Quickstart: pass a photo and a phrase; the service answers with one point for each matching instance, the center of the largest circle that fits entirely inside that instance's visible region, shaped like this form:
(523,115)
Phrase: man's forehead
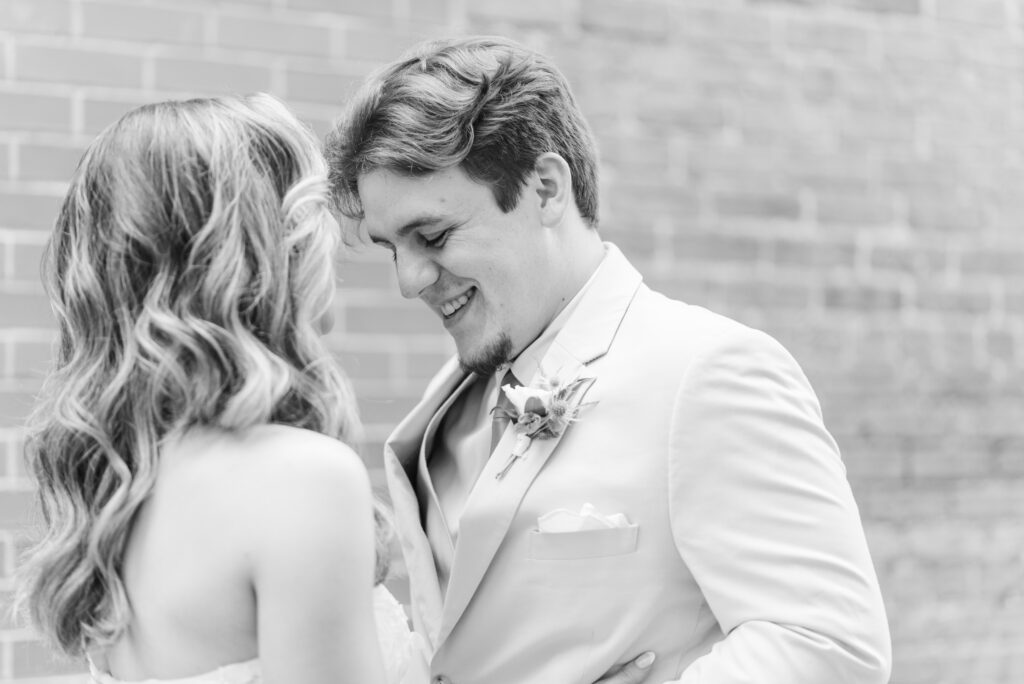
(397,203)
(390,180)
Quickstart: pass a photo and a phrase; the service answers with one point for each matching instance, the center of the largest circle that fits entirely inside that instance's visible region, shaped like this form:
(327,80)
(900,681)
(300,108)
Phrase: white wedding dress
(403,651)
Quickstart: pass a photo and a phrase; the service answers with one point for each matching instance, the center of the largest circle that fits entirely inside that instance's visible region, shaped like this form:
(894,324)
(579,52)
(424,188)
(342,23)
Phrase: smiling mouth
(452,307)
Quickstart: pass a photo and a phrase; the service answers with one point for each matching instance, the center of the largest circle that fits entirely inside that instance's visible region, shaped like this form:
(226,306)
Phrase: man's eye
(437,240)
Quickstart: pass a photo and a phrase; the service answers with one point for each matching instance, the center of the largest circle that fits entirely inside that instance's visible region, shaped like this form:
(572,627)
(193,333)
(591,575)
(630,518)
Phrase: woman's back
(230,513)
(191,607)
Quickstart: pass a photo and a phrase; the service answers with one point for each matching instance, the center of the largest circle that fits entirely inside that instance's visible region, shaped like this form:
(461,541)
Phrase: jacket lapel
(401,458)
(406,438)
(493,503)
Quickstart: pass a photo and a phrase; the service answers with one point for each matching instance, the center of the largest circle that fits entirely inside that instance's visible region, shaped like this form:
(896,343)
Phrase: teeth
(448,308)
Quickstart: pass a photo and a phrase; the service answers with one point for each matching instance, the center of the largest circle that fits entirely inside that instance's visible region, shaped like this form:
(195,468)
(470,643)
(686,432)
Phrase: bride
(205,520)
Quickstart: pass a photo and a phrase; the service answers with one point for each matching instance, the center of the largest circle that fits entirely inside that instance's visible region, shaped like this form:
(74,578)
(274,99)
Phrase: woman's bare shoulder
(292,448)
(270,472)
(261,450)
(283,462)
(303,495)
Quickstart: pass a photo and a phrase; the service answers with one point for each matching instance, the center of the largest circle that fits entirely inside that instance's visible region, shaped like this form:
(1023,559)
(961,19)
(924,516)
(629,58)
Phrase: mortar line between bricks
(7,662)
(9,59)
(8,253)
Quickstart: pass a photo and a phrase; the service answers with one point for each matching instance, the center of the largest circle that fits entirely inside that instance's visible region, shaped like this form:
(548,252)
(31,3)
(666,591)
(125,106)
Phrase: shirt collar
(527,364)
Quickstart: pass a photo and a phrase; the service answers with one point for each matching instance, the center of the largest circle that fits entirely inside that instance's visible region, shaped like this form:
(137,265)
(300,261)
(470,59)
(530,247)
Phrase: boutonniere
(540,412)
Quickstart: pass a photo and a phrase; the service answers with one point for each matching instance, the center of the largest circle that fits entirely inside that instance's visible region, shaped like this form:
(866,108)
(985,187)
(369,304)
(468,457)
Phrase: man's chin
(487,358)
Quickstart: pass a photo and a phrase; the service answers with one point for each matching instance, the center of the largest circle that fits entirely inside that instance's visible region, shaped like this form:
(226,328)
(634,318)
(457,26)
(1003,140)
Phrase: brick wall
(846,174)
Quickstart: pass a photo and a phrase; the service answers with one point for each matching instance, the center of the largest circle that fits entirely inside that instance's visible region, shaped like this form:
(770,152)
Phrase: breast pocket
(612,541)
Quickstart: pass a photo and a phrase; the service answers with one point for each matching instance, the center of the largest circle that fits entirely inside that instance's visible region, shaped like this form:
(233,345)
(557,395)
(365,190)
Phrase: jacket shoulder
(687,330)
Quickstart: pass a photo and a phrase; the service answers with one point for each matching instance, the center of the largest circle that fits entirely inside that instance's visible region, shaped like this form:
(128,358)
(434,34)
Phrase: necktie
(499,421)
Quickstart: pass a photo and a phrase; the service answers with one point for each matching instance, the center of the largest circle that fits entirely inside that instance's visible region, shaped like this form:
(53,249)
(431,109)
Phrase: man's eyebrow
(419,222)
(408,227)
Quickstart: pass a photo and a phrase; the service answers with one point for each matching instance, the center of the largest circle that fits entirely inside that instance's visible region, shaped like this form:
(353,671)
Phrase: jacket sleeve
(763,516)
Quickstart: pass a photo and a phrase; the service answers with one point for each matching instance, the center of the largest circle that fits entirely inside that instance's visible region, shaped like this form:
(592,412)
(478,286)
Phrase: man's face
(485,273)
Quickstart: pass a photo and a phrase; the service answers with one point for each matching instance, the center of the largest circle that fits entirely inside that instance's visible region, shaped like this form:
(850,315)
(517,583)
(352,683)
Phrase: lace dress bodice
(236,673)
(403,651)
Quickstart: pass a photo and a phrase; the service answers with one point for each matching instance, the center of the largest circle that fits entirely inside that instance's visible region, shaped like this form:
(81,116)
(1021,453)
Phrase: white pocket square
(564,520)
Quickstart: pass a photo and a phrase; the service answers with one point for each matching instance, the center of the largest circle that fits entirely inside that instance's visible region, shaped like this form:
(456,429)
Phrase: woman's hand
(633,672)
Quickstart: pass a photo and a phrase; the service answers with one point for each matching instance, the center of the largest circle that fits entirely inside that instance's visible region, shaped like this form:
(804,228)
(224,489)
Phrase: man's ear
(554,187)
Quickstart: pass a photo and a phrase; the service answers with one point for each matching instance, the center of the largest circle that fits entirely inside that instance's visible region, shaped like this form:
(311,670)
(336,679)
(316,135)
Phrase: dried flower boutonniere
(541,412)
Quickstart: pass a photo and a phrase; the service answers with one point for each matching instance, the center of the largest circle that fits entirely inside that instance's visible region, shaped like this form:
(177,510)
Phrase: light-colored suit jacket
(744,560)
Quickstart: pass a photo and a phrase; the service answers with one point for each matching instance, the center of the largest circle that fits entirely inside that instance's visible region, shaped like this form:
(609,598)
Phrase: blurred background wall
(845,174)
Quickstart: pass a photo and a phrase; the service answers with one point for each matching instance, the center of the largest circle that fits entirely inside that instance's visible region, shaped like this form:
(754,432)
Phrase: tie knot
(509,379)
(503,402)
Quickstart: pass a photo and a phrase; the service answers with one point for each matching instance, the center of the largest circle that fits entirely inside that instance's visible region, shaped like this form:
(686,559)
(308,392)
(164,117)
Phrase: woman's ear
(554,187)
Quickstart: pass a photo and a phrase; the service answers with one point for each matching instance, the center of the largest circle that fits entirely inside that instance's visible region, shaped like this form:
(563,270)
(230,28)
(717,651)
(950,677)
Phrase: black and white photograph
(512,341)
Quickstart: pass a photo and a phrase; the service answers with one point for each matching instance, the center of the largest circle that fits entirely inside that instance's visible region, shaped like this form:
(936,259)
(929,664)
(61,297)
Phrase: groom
(669,487)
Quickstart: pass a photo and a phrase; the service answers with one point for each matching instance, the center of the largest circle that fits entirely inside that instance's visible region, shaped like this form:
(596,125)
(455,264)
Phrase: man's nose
(415,273)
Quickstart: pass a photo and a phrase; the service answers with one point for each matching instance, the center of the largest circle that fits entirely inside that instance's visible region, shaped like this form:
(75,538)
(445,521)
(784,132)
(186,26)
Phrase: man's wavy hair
(189,268)
(485,103)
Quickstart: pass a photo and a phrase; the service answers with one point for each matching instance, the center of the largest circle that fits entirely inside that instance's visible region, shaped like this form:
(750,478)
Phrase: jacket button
(441,679)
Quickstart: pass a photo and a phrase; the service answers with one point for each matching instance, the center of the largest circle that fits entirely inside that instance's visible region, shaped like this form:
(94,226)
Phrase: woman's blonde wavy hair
(189,269)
